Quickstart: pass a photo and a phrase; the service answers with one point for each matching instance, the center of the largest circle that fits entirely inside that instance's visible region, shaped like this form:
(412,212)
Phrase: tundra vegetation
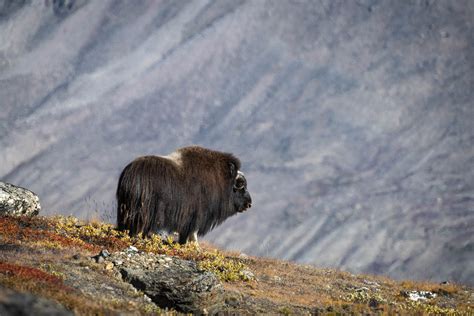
(50,257)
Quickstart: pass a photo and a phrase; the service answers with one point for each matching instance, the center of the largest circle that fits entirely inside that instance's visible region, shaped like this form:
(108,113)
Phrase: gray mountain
(353,119)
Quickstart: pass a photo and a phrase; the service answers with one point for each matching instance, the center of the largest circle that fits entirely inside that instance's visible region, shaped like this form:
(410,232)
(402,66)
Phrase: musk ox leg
(183,239)
(193,237)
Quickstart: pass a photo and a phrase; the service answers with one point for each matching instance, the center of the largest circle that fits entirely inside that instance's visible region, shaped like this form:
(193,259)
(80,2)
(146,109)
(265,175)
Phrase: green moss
(151,309)
(226,269)
(51,269)
(106,236)
(430,309)
(366,297)
(99,234)
(285,311)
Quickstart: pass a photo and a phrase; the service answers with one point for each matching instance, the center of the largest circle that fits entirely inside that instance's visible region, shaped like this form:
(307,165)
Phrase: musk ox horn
(189,191)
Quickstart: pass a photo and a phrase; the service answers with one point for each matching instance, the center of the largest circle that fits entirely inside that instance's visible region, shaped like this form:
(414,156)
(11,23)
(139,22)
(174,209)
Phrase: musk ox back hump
(189,191)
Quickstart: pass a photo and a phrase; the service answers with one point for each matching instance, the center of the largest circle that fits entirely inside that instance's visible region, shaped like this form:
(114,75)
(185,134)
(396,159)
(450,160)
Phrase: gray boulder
(13,303)
(176,283)
(16,201)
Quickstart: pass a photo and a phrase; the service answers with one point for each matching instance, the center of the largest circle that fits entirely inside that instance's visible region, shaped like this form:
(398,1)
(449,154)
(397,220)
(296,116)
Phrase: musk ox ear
(233,170)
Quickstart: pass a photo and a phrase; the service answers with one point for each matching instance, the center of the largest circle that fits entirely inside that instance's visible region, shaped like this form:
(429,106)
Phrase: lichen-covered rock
(172,283)
(13,303)
(16,201)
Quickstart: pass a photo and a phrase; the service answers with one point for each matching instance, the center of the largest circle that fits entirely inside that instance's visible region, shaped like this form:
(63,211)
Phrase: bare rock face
(13,303)
(171,282)
(18,201)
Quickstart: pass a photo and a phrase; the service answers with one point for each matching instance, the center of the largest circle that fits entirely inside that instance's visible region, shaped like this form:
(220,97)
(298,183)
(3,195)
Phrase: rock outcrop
(171,282)
(14,303)
(16,201)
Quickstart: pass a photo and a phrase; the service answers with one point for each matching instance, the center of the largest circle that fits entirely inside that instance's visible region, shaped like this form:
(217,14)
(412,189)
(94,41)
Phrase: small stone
(371,283)
(248,275)
(108,288)
(373,303)
(243,256)
(118,262)
(132,249)
(362,289)
(104,253)
(109,266)
(99,259)
(76,256)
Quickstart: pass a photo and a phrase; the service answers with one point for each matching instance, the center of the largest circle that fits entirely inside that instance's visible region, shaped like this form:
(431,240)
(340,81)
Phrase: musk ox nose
(249,201)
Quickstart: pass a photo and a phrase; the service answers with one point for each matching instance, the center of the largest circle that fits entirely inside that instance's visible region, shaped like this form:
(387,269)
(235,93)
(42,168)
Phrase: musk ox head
(241,197)
(189,191)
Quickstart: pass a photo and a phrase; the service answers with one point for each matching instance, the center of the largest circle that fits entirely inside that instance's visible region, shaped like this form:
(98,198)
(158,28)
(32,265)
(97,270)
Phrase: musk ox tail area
(141,193)
(189,192)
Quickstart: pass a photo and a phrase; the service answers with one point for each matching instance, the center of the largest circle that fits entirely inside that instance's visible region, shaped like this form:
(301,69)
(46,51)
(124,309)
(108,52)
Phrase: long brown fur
(187,191)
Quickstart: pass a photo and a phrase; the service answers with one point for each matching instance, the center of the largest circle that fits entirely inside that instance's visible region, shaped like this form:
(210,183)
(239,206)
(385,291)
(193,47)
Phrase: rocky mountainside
(353,119)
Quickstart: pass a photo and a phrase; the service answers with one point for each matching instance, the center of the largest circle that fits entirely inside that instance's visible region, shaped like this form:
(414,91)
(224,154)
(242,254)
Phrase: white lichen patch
(18,201)
(420,295)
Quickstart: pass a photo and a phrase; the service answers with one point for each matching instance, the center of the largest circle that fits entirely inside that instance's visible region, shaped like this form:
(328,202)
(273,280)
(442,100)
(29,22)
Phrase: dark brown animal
(189,191)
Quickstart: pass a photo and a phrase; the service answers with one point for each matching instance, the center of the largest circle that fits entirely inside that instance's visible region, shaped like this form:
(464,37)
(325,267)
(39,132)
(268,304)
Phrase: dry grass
(26,274)
(36,231)
(38,282)
(37,258)
(333,291)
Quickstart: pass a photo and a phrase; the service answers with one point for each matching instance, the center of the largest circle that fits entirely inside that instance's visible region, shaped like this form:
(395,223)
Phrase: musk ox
(189,192)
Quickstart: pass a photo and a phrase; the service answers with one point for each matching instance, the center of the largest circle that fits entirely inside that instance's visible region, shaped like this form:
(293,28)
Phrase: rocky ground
(60,266)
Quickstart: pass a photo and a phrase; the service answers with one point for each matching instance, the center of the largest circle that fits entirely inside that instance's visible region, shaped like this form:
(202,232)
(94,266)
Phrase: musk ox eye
(240,181)
(239,184)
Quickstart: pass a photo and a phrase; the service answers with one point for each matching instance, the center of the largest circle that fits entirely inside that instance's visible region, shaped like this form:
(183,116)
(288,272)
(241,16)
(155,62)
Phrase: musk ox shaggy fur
(189,192)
